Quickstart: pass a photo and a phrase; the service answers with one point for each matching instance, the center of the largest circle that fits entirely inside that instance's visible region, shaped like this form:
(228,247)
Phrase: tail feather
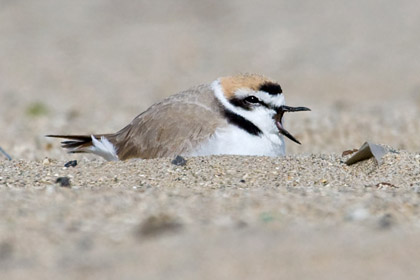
(100,144)
(76,141)
(72,144)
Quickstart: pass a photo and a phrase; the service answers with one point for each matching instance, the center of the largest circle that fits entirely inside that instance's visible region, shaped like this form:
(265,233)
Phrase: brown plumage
(156,133)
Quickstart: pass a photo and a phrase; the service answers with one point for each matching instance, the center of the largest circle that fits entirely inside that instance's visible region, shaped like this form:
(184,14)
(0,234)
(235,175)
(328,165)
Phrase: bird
(234,115)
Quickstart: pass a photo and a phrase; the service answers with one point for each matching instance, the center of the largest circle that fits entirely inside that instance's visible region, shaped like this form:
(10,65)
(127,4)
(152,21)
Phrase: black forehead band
(271,88)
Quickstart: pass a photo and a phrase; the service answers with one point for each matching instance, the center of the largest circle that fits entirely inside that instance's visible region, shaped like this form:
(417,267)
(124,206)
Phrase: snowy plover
(240,115)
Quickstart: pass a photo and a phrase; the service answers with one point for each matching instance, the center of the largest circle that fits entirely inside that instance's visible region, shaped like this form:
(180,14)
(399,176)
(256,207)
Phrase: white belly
(233,140)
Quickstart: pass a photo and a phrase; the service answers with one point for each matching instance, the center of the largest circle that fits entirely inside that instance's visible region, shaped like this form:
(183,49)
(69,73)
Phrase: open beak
(279,117)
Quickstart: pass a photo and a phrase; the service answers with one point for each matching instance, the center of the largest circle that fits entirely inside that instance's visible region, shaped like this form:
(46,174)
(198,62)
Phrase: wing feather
(173,127)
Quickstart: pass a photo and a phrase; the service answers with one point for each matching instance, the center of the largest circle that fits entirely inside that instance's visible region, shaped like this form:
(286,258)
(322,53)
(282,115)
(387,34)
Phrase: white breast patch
(233,140)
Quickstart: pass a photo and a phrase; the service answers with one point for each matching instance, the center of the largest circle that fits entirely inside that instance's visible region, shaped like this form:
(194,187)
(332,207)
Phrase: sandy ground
(91,66)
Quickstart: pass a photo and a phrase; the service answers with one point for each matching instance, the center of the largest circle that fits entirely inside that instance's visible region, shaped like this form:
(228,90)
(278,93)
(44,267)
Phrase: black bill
(279,117)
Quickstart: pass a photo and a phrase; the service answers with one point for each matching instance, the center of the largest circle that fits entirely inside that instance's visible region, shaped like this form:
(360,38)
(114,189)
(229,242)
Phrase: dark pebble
(63,181)
(158,225)
(179,161)
(71,163)
(386,221)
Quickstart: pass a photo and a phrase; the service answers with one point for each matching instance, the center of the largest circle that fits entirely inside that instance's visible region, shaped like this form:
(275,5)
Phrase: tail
(100,145)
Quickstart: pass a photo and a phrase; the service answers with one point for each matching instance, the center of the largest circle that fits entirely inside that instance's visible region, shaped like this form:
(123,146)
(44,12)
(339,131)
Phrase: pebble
(386,221)
(72,163)
(157,225)
(63,181)
(179,161)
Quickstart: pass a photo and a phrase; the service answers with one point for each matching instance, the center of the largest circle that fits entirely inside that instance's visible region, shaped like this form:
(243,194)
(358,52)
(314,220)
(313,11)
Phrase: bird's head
(256,99)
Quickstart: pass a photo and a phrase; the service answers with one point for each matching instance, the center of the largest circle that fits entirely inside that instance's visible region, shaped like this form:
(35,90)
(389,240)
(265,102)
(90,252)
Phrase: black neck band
(243,123)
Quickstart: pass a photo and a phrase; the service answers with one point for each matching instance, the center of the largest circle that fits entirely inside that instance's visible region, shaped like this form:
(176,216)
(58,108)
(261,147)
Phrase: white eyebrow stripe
(276,100)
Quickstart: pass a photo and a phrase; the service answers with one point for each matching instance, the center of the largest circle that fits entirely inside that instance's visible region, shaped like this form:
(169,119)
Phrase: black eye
(252,99)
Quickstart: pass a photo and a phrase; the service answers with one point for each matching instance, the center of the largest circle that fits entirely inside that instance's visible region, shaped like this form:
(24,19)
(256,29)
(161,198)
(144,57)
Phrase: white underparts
(103,148)
(233,140)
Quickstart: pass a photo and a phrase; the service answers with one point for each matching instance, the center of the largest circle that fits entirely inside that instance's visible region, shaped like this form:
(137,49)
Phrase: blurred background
(86,66)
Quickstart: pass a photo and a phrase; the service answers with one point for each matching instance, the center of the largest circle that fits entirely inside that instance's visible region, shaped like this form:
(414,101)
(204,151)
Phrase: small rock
(63,181)
(324,182)
(386,221)
(385,185)
(71,163)
(157,225)
(179,161)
